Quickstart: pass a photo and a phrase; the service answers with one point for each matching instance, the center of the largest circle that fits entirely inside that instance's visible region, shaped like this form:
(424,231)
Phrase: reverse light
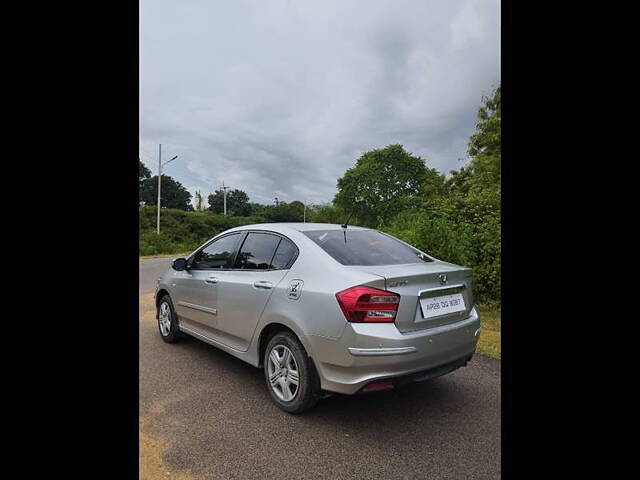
(368,305)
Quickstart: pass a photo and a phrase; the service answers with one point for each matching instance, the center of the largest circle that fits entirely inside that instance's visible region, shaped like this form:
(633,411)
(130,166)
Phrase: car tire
(167,320)
(298,364)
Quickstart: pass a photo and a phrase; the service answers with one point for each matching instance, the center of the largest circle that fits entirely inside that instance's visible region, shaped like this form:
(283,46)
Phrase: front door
(196,289)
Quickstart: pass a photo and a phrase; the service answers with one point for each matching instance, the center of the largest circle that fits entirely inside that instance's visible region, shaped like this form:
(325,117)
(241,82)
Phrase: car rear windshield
(365,247)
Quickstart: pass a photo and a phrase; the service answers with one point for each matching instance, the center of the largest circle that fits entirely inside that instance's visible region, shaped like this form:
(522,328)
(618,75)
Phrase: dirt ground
(152,448)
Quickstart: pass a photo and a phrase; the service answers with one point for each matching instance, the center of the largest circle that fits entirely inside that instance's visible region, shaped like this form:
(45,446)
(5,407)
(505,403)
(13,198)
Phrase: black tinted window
(365,247)
(284,254)
(257,251)
(217,254)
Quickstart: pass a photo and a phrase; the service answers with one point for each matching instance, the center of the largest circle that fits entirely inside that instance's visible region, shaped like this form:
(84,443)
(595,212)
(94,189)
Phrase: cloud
(279,98)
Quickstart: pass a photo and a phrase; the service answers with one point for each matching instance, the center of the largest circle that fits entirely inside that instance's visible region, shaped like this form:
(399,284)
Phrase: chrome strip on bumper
(381,351)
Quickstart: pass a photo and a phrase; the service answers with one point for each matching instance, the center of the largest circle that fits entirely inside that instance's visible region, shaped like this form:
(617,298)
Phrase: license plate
(436,306)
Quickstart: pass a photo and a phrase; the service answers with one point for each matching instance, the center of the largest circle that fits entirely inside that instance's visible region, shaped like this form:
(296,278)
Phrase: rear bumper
(368,352)
(427,374)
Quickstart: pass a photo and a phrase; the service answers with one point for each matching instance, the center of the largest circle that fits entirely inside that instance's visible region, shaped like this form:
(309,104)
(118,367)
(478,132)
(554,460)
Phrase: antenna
(344,225)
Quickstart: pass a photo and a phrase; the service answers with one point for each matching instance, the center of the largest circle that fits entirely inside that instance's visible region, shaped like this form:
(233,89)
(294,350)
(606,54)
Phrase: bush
(153,244)
(474,245)
(182,231)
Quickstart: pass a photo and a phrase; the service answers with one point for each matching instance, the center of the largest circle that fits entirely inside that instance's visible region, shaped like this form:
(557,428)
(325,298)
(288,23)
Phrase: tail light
(367,304)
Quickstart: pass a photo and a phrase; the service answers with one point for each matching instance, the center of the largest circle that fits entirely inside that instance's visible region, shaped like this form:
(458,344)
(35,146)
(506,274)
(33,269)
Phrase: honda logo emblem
(443,278)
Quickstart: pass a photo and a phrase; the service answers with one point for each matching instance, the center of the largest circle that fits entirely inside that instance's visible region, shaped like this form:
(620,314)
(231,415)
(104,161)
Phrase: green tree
(144,174)
(283,212)
(433,187)
(487,139)
(174,195)
(484,169)
(460,221)
(237,202)
(474,197)
(297,210)
(383,183)
(326,213)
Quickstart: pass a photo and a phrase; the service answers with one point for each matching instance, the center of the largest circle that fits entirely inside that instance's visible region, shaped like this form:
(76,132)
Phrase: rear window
(365,247)
(257,251)
(284,254)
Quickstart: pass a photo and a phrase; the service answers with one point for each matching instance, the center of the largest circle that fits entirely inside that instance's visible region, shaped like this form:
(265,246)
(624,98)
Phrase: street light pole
(160,183)
(224,196)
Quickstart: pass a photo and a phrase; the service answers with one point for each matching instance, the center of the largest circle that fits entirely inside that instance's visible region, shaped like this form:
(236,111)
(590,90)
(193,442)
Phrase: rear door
(243,292)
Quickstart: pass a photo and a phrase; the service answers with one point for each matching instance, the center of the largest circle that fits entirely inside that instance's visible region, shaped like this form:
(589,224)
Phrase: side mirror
(179,264)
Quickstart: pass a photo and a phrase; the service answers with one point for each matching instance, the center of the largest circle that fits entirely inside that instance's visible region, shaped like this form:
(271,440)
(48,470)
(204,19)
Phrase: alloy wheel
(164,319)
(283,373)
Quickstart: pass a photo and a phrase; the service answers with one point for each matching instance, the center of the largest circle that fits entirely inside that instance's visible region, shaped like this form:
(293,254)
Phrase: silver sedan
(322,308)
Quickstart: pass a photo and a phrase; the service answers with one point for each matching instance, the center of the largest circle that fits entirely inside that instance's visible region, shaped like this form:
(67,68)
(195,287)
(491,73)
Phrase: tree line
(454,218)
(176,196)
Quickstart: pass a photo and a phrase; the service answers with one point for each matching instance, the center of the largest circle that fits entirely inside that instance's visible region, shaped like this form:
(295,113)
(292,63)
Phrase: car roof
(283,227)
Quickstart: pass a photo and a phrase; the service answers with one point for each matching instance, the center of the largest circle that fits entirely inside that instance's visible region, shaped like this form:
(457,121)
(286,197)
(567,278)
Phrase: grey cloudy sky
(280,97)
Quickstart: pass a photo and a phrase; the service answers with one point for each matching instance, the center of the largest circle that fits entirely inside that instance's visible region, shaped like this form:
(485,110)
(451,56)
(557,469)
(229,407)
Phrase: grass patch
(489,343)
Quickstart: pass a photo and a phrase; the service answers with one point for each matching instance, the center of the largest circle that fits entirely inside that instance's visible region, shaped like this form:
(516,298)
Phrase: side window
(257,251)
(217,254)
(284,254)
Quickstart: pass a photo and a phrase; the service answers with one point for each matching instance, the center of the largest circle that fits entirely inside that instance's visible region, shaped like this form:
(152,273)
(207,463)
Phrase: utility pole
(160,183)
(224,190)
(304,215)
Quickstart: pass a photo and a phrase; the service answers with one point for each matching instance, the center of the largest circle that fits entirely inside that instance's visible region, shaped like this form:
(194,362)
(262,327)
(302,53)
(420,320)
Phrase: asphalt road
(150,270)
(207,415)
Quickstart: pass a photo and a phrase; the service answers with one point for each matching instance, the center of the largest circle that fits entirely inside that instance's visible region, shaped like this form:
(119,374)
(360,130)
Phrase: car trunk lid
(435,286)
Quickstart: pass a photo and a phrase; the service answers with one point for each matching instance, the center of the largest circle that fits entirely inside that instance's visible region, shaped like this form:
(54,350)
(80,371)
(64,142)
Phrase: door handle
(263,284)
(211,280)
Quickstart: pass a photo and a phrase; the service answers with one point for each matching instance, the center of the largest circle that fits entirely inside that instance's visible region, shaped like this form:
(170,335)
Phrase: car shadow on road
(439,396)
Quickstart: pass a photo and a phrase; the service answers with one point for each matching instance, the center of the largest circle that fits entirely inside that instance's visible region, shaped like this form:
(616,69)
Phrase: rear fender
(266,321)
